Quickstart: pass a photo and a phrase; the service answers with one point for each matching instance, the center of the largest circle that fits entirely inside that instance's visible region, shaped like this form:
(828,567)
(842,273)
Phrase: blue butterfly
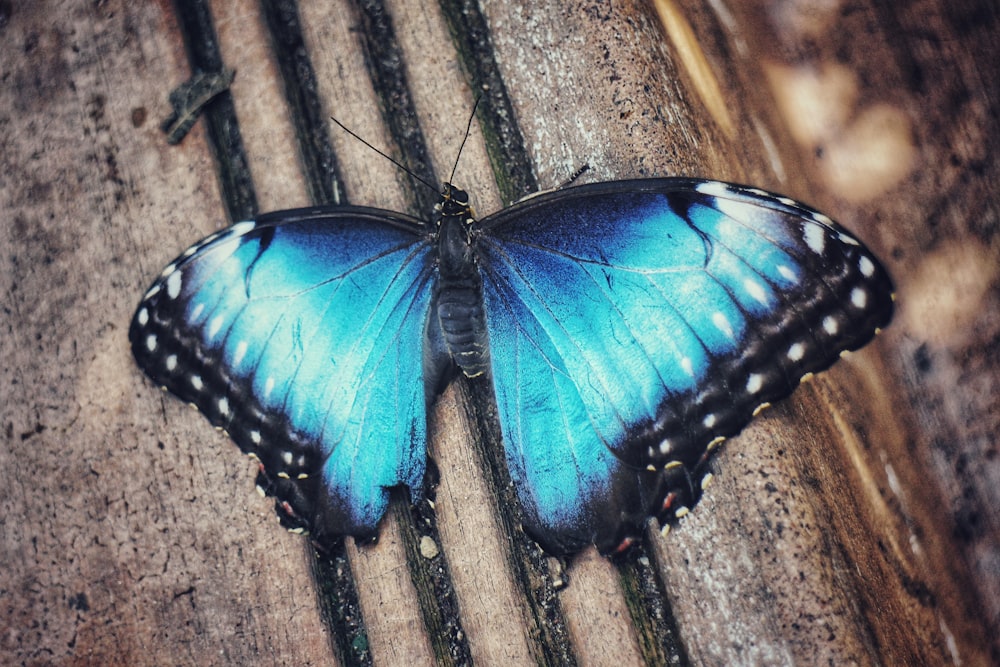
(627,327)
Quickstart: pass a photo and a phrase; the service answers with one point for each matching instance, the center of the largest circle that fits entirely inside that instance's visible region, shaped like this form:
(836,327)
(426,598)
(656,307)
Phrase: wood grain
(857,522)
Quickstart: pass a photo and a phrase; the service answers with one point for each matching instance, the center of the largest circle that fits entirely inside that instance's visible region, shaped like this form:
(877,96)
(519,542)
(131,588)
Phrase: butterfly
(627,328)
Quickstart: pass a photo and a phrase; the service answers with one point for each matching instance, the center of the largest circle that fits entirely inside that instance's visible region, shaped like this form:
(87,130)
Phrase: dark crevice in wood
(432,579)
(219,114)
(649,609)
(339,605)
(512,166)
(387,69)
(311,125)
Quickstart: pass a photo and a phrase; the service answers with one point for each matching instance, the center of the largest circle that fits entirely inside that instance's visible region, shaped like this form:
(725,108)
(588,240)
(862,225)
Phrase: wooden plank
(856,522)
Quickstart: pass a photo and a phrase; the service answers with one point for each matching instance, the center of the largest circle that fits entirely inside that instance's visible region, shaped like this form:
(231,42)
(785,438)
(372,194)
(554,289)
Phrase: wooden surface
(856,523)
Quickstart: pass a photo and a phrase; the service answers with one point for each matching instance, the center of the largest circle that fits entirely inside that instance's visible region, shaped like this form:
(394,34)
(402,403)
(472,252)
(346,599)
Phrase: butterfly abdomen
(459,295)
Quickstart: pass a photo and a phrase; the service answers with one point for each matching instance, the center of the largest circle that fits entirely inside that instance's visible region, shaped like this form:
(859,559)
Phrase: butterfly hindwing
(632,325)
(299,335)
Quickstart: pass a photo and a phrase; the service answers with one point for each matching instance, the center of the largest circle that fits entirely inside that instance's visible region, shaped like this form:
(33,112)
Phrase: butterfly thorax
(459,290)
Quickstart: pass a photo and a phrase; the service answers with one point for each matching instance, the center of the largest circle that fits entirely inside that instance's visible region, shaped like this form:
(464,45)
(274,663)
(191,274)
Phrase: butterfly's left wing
(300,334)
(634,325)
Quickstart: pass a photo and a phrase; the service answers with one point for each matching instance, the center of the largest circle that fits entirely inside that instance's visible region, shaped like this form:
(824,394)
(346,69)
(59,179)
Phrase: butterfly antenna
(468,128)
(387,157)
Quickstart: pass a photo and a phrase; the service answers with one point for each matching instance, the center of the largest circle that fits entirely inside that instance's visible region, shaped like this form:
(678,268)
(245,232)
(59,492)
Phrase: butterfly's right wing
(635,325)
(300,334)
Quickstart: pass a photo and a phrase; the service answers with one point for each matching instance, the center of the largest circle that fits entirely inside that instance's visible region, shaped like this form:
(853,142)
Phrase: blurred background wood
(857,522)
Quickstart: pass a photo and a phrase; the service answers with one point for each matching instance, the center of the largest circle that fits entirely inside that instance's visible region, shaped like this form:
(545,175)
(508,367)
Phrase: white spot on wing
(241,350)
(867,267)
(196,382)
(151,342)
(223,406)
(241,228)
(665,446)
(709,420)
(722,324)
(713,188)
(143,317)
(787,273)
(171,362)
(847,238)
(268,386)
(255,437)
(796,351)
(214,326)
(830,325)
(687,366)
(754,383)
(286,456)
(755,290)
(196,311)
(174,284)
(815,238)
(168,269)
(859,297)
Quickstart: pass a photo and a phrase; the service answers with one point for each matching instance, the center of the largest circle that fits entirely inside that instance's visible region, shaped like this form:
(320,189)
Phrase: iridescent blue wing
(634,325)
(300,335)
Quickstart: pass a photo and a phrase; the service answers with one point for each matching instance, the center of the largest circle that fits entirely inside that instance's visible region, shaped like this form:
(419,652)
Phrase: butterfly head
(454,204)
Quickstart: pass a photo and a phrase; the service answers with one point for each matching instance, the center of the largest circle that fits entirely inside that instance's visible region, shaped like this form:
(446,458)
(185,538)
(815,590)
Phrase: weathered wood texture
(857,523)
